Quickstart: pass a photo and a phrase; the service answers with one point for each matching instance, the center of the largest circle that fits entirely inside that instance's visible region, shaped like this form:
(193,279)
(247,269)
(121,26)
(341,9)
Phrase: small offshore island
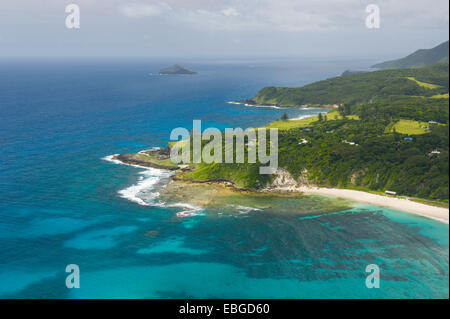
(384,141)
(177,69)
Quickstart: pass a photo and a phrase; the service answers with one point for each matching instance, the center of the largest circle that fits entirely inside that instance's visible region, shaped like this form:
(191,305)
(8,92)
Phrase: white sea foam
(189,209)
(110,158)
(257,105)
(245,209)
(301,117)
(145,191)
(305,116)
(185,205)
(151,149)
(268,106)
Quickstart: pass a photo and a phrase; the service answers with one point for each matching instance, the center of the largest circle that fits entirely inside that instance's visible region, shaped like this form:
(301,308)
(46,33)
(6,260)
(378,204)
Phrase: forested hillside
(360,88)
(390,132)
(420,58)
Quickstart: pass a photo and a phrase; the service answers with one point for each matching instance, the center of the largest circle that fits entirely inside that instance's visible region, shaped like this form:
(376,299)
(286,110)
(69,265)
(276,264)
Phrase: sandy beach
(285,183)
(437,213)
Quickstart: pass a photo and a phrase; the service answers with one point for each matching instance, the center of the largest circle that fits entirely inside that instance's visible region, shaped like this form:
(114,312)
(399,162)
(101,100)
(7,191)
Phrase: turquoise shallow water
(60,202)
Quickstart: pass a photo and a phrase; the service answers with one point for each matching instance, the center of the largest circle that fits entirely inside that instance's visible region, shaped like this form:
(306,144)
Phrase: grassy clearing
(423,84)
(334,115)
(408,127)
(153,159)
(440,96)
(290,124)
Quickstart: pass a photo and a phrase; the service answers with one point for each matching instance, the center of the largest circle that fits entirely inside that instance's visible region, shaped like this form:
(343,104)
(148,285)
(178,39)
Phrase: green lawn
(440,96)
(408,127)
(423,84)
(289,124)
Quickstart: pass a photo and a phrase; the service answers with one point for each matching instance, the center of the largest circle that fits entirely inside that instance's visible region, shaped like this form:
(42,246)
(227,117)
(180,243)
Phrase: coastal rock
(284,182)
(283,179)
(177,69)
(130,159)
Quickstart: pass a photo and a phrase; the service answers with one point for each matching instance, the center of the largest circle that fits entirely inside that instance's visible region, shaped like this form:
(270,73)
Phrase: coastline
(440,214)
(279,106)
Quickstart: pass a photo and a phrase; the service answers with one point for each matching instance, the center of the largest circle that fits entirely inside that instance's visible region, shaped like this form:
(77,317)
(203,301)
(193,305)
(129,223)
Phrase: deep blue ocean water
(60,202)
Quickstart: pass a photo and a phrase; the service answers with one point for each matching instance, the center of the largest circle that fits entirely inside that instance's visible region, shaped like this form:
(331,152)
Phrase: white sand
(402,204)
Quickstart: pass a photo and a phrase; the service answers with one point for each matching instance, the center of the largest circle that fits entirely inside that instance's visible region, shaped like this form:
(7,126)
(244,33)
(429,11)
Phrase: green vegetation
(378,139)
(354,154)
(244,176)
(389,130)
(418,108)
(376,161)
(420,58)
(151,158)
(440,96)
(423,84)
(177,69)
(308,121)
(407,127)
(365,88)
(286,125)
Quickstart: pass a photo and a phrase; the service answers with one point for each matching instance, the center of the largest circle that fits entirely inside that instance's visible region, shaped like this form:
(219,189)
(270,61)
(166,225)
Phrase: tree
(320,117)
(363,113)
(284,117)
(341,110)
(347,108)
(397,136)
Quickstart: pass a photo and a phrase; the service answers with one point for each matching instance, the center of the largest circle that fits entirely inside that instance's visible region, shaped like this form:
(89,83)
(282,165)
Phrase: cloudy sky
(158,28)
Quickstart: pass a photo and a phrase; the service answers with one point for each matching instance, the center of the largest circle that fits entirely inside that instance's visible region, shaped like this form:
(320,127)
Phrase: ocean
(62,202)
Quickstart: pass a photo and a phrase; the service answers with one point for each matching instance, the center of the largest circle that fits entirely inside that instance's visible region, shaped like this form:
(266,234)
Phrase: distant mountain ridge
(420,58)
(358,88)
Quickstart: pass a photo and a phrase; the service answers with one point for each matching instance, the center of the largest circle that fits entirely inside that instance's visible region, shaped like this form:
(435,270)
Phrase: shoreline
(253,103)
(439,214)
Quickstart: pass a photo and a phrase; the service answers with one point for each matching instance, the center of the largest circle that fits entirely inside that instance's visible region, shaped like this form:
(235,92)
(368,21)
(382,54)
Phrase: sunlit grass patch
(423,84)
(408,127)
(290,124)
(334,115)
(440,96)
